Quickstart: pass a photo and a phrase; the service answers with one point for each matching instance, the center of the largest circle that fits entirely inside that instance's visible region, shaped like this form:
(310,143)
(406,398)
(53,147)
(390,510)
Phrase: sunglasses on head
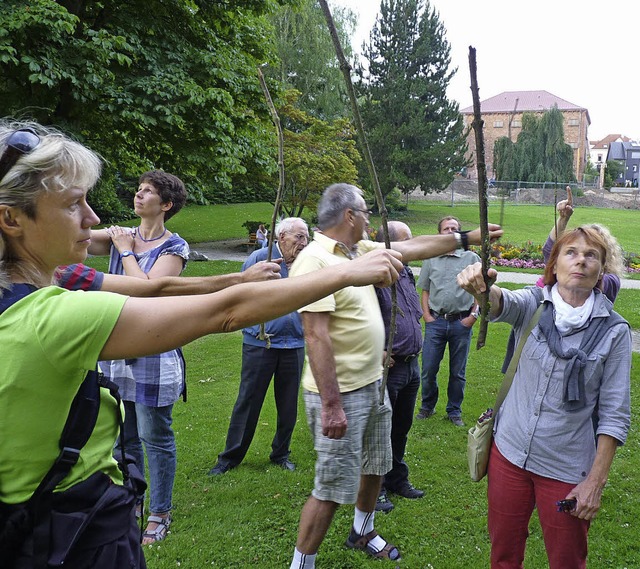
(19,143)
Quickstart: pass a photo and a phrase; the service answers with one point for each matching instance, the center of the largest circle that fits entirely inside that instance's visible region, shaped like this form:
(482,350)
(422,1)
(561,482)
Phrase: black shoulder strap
(78,428)
(14,294)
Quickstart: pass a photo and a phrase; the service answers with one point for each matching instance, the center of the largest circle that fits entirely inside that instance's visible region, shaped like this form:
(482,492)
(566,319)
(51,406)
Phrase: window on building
(516,123)
(599,157)
(573,122)
(498,124)
(573,145)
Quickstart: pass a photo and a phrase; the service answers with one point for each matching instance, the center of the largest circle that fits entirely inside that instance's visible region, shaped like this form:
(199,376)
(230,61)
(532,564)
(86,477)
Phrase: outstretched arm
(427,246)
(82,277)
(153,325)
(176,286)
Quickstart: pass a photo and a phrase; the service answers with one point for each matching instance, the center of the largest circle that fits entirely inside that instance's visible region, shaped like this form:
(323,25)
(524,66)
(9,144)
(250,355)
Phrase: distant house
(628,154)
(600,148)
(502,116)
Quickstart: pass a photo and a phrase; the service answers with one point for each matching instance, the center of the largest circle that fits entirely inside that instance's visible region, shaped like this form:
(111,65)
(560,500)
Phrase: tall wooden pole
(485,253)
(346,72)
(276,207)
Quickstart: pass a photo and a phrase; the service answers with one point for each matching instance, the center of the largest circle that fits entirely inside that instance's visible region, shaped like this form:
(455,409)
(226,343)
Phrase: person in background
(279,356)
(403,378)
(449,315)
(53,337)
(262,236)
(610,282)
(349,418)
(545,453)
(150,386)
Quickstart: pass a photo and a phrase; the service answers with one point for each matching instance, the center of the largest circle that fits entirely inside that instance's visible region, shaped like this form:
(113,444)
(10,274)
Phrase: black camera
(567,505)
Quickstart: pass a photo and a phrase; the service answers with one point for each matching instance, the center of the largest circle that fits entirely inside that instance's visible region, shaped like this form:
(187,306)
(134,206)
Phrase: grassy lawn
(249,516)
(521,223)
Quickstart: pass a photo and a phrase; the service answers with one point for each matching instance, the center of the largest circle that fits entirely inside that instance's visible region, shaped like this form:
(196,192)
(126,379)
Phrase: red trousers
(512,495)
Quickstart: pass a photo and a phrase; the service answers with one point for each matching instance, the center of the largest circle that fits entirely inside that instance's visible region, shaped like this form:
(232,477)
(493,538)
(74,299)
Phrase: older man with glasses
(349,418)
(279,354)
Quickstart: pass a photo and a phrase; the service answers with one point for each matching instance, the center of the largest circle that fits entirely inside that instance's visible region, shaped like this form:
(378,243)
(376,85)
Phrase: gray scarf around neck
(573,388)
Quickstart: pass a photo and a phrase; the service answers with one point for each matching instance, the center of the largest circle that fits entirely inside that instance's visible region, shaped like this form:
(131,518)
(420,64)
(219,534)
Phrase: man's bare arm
(427,246)
(323,366)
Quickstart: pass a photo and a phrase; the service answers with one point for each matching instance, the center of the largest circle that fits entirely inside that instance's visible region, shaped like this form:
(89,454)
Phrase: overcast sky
(585,55)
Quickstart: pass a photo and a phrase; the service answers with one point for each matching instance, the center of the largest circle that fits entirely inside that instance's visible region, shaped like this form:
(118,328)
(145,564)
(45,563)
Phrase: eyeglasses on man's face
(300,236)
(367,212)
(19,143)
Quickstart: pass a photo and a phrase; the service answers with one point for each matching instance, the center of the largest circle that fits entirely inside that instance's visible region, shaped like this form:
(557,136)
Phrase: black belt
(451,316)
(406,359)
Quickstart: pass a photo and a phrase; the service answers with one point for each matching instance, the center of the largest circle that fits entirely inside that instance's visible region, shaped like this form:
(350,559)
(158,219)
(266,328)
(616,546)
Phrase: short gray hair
(285,225)
(335,199)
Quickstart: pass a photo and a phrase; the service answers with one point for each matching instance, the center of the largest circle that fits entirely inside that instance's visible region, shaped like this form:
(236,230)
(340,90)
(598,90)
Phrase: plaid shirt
(158,380)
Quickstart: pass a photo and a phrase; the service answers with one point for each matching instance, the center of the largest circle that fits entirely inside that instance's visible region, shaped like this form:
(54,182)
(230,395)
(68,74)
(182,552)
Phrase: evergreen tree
(415,133)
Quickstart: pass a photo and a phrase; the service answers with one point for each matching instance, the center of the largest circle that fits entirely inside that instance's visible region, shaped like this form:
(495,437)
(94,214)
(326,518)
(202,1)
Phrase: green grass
(249,516)
(521,223)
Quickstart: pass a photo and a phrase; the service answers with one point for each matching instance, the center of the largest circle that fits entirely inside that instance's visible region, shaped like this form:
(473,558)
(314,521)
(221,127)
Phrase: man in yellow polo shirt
(344,336)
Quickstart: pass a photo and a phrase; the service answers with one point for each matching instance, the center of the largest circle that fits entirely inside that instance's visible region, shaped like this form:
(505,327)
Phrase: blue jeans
(259,365)
(152,426)
(403,383)
(436,336)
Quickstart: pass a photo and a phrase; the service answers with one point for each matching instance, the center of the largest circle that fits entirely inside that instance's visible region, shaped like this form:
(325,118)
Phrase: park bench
(251,244)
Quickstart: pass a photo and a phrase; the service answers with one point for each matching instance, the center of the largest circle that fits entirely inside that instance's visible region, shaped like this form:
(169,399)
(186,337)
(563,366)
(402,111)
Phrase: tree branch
(485,253)
(346,72)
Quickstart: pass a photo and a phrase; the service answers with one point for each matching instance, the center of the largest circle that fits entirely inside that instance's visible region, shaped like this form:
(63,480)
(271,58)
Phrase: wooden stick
(485,253)
(276,208)
(346,72)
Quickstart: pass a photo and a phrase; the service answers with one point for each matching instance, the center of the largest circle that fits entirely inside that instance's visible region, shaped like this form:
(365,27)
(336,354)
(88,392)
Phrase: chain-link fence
(463,191)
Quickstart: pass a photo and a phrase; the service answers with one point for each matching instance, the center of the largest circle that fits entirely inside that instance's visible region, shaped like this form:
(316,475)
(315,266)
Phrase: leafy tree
(147,83)
(317,153)
(307,59)
(415,133)
(613,174)
(540,153)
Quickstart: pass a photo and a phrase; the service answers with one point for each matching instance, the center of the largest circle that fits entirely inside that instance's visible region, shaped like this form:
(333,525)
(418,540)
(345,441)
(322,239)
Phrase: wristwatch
(126,254)
(475,314)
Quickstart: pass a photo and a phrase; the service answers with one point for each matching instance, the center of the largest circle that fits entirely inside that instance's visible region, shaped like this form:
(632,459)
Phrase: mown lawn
(249,516)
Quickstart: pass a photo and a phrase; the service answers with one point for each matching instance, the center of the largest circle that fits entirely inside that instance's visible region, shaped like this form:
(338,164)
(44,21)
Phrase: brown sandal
(362,542)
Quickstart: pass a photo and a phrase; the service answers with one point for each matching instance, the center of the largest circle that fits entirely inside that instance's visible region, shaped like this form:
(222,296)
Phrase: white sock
(363,521)
(303,560)
(363,524)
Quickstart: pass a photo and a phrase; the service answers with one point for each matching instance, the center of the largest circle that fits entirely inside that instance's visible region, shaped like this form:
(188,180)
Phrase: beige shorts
(364,449)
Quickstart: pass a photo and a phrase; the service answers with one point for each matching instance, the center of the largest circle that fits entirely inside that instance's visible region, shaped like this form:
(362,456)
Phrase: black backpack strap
(77,430)
(14,294)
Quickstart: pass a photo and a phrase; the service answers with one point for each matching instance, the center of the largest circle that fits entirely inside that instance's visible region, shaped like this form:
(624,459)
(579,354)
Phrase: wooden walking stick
(276,208)
(346,72)
(485,253)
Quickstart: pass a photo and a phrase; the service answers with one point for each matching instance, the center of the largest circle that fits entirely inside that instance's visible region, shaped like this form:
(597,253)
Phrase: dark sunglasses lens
(24,141)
